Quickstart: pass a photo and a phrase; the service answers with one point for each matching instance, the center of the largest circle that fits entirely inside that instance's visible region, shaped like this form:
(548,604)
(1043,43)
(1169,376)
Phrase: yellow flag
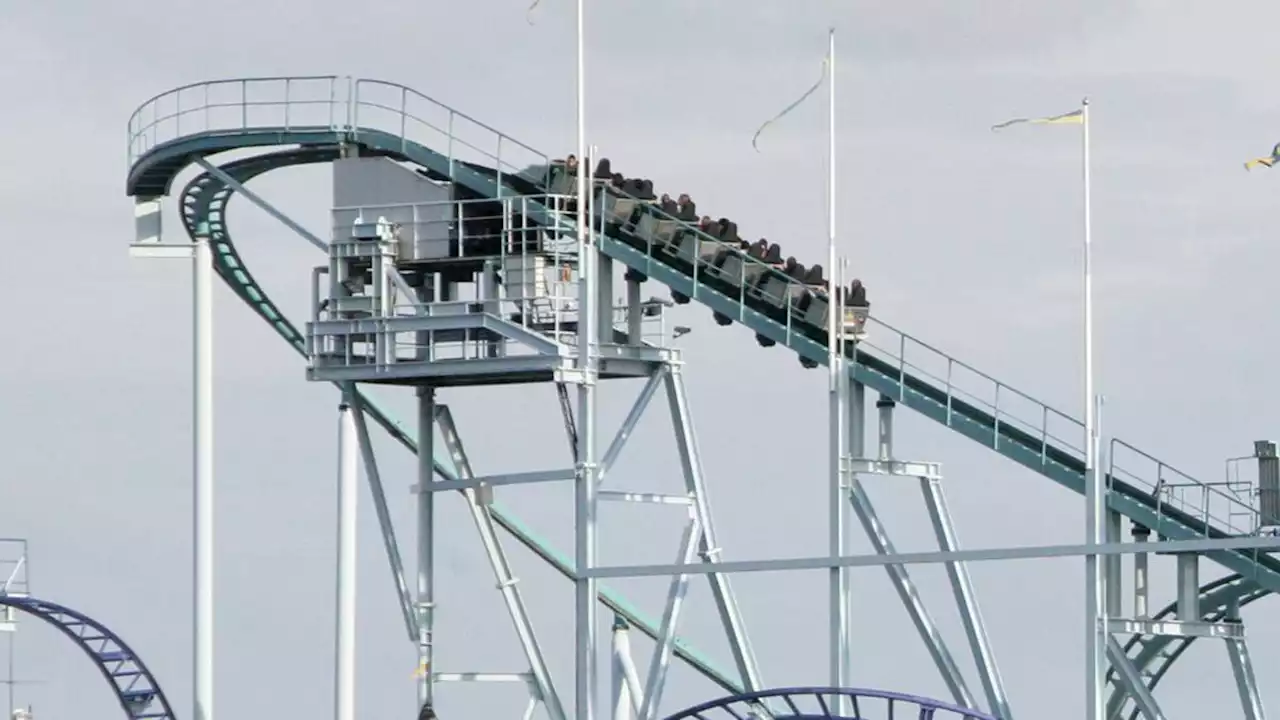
(1075,117)
(1267,161)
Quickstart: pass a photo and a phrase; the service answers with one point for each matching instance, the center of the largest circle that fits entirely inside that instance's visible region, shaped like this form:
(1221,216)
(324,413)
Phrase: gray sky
(966,239)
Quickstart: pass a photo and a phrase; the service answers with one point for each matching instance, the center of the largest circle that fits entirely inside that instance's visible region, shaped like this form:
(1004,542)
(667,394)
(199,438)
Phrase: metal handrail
(344,101)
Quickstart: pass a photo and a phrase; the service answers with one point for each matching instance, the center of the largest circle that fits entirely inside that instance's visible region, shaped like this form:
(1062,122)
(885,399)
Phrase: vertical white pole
(837,503)
(623,702)
(202,461)
(1095,642)
(585,486)
(348,496)
(831,204)
(426,546)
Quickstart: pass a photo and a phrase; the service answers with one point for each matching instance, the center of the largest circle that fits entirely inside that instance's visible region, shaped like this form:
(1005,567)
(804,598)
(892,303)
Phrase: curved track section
(135,687)
(156,162)
(1155,655)
(815,703)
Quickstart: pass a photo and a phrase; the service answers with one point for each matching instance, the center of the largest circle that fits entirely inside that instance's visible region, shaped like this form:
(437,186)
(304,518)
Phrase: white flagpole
(831,203)
(1095,498)
(831,194)
(839,442)
(585,484)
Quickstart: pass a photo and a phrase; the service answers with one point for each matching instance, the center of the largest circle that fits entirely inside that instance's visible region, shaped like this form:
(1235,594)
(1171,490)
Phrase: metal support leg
(604,297)
(1246,682)
(348,494)
(634,318)
(202,461)
(1141,578)
(1132,680)
(661,661)
(389,542)
(626,684)
(1189,587)
(691,462)
(629,423)
(1242,670)
(966,600)
(911,600)
(585,485)
(839,644)
(542,683)
(1114,566)
(426,549)
(898,574)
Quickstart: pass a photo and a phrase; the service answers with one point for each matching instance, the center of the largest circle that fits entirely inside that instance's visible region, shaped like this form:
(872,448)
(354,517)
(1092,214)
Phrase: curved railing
(325,101)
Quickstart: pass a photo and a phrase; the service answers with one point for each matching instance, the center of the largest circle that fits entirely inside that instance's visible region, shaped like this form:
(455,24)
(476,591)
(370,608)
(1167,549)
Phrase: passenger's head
(665,198)
(683,199)
(571,162)
(855,285)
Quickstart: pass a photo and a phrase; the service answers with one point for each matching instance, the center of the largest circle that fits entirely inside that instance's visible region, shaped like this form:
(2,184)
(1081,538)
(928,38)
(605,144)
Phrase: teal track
(155,167)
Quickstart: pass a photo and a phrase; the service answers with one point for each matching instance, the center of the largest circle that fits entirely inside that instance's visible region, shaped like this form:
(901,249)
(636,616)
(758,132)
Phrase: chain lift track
(135,687)
(166,137)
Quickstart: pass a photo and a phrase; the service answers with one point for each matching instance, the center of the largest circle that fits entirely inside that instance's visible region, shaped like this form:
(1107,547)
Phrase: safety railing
(439,230)
(13,567)
(1209,504)
(308,102)
(1008,407)
(416,118)
(239,105)
(288,103)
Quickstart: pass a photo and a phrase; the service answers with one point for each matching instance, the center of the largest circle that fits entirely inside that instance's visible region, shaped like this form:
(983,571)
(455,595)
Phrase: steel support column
(506,580)
(840,428)
(1132,680)
(966,600)
(389,542)
(426,547)
(708,548)
(202,461)
(657,679)
(345,610)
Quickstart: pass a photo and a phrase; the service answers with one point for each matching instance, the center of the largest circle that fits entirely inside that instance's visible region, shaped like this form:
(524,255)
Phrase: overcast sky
(965,239)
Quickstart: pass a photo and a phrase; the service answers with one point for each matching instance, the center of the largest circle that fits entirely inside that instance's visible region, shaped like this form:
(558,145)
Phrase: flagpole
(837,502)
(1095,642)
(585,483)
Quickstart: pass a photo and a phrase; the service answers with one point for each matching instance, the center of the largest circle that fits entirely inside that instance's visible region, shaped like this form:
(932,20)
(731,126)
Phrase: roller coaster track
(135,687)
(815,703)
(156,163)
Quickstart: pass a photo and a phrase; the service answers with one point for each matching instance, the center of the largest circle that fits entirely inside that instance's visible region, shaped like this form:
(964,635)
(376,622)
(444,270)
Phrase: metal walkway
(318,115)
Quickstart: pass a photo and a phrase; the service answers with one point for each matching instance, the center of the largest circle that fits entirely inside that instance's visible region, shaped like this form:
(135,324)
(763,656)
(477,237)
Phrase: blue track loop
(816,703)
(135,687)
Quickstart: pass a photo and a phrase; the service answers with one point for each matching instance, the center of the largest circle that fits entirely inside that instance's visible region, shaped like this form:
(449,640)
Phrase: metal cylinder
(1268,484)
(1140,575)
(1189,587)
(885,408)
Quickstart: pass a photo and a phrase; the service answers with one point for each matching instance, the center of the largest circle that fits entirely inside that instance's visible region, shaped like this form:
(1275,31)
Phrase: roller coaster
(134,685)
(395,268)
